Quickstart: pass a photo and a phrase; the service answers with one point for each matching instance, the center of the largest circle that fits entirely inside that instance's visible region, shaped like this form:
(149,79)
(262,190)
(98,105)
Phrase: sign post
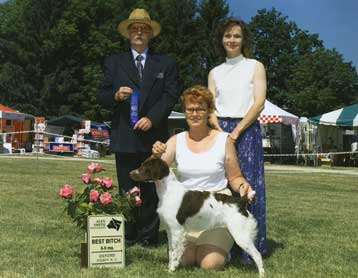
(105,241)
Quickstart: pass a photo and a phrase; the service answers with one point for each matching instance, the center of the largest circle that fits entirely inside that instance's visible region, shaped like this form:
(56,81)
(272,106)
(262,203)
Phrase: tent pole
(281,143)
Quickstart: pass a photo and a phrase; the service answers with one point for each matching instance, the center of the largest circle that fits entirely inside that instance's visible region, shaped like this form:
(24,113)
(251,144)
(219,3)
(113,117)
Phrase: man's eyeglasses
(137,28)
(198,110)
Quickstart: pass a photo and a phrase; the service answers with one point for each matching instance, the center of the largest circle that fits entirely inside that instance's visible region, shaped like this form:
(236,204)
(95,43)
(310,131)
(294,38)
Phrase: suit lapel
(151,70)
(129,67)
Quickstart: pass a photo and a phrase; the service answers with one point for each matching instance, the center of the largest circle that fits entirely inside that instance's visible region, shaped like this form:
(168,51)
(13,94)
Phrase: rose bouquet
(99,196)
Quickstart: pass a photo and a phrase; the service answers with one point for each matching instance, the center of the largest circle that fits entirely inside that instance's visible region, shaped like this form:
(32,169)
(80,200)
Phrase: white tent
(337,129)
(274,114)
(278,128)
(271,114)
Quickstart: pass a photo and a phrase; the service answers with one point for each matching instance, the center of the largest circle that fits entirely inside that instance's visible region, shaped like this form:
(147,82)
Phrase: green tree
(279,44)
(322,82)
(55,49)
(52,52)
(302,75)
(187,35)
(179,36)
(211,14)
(16,67)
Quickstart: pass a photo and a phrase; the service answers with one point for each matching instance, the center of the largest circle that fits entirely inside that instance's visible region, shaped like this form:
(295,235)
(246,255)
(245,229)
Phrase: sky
(335,21)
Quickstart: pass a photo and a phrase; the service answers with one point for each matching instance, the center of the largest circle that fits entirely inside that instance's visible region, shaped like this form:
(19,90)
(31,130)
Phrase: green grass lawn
(312,227)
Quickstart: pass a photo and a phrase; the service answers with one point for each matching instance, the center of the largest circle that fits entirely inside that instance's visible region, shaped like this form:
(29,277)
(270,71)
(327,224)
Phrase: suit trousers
(145,226)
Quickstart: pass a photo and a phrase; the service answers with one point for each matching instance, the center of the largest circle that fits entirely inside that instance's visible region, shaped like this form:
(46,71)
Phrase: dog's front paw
(171,268)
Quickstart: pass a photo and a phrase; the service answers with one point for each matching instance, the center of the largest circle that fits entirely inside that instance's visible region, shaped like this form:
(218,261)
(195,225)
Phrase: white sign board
(88,126)
(106,241)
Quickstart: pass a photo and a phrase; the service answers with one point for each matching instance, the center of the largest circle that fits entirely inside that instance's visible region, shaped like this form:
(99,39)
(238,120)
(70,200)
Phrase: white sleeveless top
(202,171)
(234,87)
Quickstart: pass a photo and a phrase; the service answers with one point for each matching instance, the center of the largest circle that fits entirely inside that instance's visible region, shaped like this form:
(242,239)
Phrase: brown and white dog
(182,210)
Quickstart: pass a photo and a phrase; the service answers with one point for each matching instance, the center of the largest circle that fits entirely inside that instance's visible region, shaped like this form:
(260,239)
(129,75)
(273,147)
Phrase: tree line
(52,52)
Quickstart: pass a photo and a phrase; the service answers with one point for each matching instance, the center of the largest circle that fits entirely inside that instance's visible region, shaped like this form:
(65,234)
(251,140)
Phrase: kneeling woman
(206,161)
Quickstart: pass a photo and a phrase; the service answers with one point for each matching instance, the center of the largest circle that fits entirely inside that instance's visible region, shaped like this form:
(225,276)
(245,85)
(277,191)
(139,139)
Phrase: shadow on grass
(137,252)
(272,247)
(140,252)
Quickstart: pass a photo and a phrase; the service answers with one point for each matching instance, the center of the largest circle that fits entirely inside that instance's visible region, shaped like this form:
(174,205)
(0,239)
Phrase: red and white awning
(270,119)
(273,114)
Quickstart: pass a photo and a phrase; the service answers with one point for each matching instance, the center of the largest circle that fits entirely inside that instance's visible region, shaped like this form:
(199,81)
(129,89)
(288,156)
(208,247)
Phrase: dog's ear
(160,169)
(147,160)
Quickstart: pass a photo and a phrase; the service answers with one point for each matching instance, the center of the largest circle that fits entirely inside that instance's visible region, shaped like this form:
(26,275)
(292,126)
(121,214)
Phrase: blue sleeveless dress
(250,156)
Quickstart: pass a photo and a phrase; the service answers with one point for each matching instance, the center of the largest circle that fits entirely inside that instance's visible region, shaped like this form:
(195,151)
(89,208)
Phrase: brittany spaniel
(182,210)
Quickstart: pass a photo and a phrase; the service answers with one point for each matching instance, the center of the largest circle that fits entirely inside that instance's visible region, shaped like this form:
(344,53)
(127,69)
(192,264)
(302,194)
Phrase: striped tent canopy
(274,114)
(11,114)
(346,116)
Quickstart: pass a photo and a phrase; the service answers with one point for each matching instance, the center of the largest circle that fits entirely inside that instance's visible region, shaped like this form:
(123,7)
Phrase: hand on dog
(159,149)
(244,188)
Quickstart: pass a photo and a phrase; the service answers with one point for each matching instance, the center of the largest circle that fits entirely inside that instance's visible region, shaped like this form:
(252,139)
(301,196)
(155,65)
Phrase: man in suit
(154,77)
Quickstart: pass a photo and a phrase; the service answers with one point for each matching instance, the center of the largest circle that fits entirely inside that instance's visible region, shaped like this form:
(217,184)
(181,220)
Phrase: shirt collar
(234,60)
(144,54)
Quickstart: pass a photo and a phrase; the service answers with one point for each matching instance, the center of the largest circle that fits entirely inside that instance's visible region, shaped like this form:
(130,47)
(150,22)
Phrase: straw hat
(138,16)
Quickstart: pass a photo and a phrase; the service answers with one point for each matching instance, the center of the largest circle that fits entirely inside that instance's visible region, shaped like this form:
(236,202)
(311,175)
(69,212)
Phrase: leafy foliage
(321,79)
(97,197)
(302,75)
(51,53)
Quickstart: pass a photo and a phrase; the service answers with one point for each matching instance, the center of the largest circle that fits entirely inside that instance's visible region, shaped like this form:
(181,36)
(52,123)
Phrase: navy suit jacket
(157,96)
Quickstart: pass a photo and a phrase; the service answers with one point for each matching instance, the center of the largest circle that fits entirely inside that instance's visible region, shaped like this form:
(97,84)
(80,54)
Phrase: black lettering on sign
(113,240)
(98,241)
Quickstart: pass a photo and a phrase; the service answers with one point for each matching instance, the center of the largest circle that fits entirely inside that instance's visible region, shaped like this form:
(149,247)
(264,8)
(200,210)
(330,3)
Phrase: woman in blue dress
(239,87)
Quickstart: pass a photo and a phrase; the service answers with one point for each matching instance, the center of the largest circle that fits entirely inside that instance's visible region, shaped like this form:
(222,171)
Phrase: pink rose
(86,178)
(138,201)
(93,195)
(105,198)
(134,191)
(94,168)
(97,181)
(66,191)
(107,182)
